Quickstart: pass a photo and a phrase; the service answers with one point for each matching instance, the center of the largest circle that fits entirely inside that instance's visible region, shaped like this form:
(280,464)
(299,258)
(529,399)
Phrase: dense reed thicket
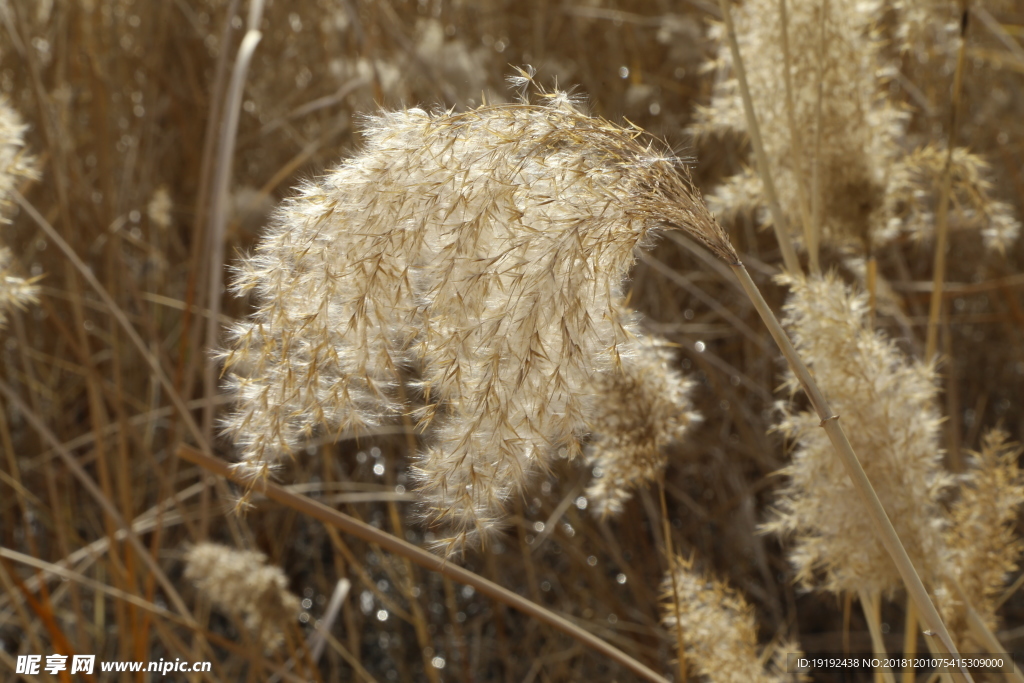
(484,318)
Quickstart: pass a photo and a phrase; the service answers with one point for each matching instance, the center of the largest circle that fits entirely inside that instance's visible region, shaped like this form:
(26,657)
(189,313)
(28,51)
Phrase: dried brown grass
(119,98)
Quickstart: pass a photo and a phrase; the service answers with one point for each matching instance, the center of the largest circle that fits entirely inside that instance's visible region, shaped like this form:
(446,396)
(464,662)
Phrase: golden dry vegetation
(428,297)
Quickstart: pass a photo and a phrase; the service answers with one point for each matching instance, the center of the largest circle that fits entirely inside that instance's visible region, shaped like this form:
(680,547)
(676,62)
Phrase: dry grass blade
(427,560)
(94,491)
(119,315)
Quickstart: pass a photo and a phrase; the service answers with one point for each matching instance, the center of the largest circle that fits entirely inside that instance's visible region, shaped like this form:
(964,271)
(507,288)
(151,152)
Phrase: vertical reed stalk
(219,201)
(789,258)
(830,423)
(942,217)
(871,605)
(669,562)
(909,642)
(816,188)
(797,147)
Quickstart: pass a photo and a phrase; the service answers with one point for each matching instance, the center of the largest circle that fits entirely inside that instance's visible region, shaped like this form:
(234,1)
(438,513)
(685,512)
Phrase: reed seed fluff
(465,270)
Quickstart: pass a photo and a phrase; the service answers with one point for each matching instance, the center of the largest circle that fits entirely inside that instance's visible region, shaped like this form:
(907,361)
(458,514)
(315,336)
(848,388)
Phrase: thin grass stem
(670,563)
(94,491)
(816,184)
(909,643)
(779,224)
(871,606)
(942,216)
(797,146)
(429,561)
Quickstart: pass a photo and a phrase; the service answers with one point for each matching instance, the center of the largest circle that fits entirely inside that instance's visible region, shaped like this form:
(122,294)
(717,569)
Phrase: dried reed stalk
(942,220)
(418,556)
(779,223)
(830,423)
(219,199)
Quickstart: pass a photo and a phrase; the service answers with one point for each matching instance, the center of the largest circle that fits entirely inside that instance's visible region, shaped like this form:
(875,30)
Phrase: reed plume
(982,541)
(472,262)
(719,630)
(887,403)
(243,585)
(16,166)
(640,410)
(838,146)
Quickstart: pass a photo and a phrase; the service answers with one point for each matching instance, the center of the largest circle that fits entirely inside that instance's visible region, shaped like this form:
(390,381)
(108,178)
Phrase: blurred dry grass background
(124,98)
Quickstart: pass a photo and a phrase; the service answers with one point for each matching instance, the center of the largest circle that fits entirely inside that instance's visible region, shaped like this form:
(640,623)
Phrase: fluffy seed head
(719,631)
(887,406)
(15,167)
(472,263)
(642,408)
(911,200)
(240,583)
(983,546)
(872,186)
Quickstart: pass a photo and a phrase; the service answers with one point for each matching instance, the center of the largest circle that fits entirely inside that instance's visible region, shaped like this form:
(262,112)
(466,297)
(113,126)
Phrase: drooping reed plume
(467,270)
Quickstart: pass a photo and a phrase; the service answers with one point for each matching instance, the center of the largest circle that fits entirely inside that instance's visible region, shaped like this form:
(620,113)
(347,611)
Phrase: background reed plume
(123,106)
(16,166)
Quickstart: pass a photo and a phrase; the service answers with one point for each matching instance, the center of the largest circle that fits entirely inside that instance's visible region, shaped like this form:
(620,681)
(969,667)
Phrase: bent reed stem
(427,560)
(830,423)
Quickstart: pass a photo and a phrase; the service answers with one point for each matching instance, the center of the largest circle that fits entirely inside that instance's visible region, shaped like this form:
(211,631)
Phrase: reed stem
(417,555)
(830,423)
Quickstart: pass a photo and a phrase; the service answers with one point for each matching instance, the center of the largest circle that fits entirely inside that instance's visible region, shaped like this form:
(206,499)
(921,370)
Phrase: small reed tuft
(15,167)
(240,583)
(464,269)
(719,631)
(911,200)
(842,158)
(982,543)
(642,408)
